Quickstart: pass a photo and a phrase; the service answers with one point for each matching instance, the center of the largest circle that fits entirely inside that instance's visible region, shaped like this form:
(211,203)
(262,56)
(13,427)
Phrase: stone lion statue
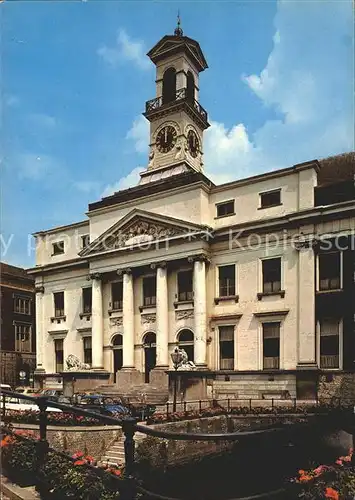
(74,363)
(185,364)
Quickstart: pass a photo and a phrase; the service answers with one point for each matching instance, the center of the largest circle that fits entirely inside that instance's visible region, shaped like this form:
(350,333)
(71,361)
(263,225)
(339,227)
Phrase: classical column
(306,341)
(128,320)
(39,329)
(97,326)
(200,312)
(162,317)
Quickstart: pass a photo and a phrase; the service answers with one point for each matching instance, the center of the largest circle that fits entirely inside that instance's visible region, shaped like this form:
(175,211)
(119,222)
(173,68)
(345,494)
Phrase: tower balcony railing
(180,96)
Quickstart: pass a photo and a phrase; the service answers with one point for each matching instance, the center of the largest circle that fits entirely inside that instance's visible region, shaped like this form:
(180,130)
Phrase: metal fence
(130,427)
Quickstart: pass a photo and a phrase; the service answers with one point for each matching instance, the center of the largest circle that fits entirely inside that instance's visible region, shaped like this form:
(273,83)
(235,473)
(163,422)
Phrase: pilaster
(306,341)
(39,290)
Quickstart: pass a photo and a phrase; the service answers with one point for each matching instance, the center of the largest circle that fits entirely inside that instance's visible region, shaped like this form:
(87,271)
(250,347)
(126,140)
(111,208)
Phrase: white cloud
(126,49)
(34,167)
(87,186)
(307,82)
(130,180)
(139,133)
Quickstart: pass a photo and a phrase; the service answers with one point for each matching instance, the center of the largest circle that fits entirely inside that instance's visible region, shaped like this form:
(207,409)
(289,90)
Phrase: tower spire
(178,30)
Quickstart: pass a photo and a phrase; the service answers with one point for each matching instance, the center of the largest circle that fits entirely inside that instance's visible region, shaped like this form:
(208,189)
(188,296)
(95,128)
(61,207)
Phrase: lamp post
(176,357)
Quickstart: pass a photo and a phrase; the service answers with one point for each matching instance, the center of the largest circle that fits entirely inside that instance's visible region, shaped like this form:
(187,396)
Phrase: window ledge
(58,319)
(234,298)
(331,290)
(56,254)
(85,315)
(112,311)
(142,308)
(178,303)
(224,216)
(271,294)
(270,206)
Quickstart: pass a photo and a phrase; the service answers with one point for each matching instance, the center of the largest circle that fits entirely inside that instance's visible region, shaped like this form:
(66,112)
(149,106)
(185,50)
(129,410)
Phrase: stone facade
(172,222)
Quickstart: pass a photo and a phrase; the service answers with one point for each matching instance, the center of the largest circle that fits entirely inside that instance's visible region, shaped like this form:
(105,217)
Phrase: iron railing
(181,95)
(130,427)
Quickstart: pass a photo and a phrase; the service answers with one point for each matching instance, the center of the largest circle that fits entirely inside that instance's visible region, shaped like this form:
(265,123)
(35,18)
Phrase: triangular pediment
(140,227)
(172,44)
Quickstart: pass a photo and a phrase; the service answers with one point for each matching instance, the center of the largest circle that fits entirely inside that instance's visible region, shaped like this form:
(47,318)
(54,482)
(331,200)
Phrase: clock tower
(177,119)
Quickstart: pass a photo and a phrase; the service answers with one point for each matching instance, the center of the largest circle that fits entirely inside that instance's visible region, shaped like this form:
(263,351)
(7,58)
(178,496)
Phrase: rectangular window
(271,346)
(23,337)
(270,198)
(59,355)
(117,295)
(149,291)
(87,300)
(23,305)
(225,209)
(58,304)
(87,350)
(85,240)
(226,347)
(329,343)
(329,271)
(271,275)
(226,281)
(58,248)
(185,286)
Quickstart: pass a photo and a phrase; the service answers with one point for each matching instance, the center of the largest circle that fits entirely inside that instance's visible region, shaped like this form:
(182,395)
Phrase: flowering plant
(336,481)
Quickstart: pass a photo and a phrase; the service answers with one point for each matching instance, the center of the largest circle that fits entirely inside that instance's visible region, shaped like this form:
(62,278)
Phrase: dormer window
(58,248)
(270,198)
(226,208)
(85,240)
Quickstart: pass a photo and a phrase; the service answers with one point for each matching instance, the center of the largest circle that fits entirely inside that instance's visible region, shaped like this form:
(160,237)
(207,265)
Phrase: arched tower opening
(169,85)
(190,86)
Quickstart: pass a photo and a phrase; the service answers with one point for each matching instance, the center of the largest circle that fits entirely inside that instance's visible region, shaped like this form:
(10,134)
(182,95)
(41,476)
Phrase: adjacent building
(253,278)
(18,332)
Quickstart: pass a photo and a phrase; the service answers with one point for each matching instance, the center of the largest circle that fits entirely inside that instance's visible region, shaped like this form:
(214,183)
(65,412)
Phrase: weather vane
(178,31)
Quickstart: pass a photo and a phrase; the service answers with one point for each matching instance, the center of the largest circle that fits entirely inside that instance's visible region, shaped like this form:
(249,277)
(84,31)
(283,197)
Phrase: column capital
(39,289)
(199,258)
(95,276)
(121,272)
(156,265)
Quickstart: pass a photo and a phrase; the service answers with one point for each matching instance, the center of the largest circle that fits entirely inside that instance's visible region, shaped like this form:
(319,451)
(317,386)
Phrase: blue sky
(75,78)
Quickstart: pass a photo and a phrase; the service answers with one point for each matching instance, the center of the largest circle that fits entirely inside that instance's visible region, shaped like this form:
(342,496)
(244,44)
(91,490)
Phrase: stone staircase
(137,394)
(114,455)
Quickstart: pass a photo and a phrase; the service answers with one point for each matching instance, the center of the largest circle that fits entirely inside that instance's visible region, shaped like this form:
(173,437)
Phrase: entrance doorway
(117,345)
(150,354)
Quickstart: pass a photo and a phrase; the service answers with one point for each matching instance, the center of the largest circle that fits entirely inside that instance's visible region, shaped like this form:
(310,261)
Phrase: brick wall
(93,440)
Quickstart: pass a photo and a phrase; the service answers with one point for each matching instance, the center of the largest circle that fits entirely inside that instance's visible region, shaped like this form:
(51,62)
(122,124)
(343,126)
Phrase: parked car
(103,405)
(6,387)
(29,391)
(51,394)
(22,405)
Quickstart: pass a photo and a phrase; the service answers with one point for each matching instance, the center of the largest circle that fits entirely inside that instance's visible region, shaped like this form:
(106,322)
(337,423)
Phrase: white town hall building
(235,273)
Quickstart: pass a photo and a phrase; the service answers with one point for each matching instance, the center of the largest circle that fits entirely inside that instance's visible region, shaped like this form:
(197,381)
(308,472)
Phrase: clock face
(193,143)
(166,139)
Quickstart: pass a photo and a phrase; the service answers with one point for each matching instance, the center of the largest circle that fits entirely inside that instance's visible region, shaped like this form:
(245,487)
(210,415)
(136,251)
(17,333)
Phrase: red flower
(331,493)
(116,472)
(79,462)
(78,454)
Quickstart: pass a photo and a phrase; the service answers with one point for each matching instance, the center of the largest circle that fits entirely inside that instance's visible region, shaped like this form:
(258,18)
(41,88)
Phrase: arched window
(186,342)
(169,85)
(117,341)
(190,92)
